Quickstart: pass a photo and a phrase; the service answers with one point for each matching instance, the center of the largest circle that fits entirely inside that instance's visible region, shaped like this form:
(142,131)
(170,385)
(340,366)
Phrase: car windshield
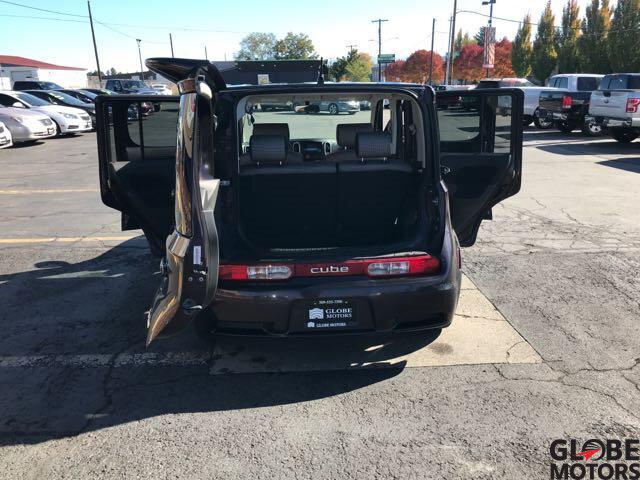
(88,94)
(49,85)
(67,98)
(133,84)
(31,100)
(306,118)
(516,83)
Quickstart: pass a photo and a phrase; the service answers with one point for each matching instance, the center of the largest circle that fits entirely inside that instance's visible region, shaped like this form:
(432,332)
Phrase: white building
(20,68)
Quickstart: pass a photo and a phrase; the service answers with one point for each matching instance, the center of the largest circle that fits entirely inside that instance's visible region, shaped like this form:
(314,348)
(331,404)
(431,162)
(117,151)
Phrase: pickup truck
(615,106)
(532,107)
(567,106)
(277,224)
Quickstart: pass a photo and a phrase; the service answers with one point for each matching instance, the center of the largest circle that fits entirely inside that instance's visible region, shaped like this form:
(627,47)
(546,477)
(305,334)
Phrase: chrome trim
(184,160)
(204,90)
(187,86)
(178,244)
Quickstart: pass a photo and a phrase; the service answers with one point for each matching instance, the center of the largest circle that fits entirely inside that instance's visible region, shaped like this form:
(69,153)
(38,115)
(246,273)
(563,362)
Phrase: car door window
(481,154)
(563,82)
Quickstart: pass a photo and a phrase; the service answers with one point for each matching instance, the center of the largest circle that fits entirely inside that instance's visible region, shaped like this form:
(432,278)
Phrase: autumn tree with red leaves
(416,68)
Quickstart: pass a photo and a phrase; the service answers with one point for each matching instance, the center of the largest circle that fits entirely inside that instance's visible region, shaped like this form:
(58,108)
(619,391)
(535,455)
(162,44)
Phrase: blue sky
(220,25)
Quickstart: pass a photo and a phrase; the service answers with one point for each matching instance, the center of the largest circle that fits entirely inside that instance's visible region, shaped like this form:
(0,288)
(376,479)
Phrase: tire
(539,123)
(58,131)
(624,135)
(526,121)
(591,129)
(333,109)
(565,127)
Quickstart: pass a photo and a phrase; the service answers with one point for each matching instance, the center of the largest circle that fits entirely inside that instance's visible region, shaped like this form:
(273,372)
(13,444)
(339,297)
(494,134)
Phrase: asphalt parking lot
(545,344)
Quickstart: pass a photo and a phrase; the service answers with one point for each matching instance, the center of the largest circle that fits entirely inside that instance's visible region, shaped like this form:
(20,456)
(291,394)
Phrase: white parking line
(30,191)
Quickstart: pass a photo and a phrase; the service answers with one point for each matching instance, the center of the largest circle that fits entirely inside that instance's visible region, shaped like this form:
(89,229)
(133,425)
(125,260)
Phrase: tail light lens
(374,268)
(254,272)
(566,101)
(632,105)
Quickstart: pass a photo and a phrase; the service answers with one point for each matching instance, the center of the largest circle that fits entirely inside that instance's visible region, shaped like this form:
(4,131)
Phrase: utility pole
(490,3)
(452,39)
(205,53)
(95,48)
(140,57)
(433,35)
(379,22)
(446,72)
(171,43)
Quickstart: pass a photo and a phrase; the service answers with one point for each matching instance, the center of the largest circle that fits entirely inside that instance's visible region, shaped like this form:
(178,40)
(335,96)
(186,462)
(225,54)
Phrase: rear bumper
(382,306)
(615,122)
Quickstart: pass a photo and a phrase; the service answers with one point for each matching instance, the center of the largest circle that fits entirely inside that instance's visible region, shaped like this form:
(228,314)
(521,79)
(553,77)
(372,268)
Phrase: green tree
(338,70)
(624,37)
(359,70)
(544,47)
(594,42)
(295,46)
(257,46)
(568,51)
(479,37)
(522,52)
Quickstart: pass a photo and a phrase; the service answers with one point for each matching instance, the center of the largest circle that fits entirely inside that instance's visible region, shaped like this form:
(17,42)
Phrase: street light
(140,57)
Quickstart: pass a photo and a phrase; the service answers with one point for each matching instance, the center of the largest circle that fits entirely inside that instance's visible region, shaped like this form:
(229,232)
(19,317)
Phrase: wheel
(541,123)
(352,113)
(333,109)
(58,130)
(591,129)
(565,127)
(624,135)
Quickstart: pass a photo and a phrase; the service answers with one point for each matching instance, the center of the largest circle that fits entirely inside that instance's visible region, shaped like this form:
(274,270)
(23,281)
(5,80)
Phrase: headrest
(270,149)
(271,129)
(346,133)
(373,145)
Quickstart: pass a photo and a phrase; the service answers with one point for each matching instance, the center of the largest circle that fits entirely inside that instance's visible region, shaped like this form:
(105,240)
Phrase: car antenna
(321,72)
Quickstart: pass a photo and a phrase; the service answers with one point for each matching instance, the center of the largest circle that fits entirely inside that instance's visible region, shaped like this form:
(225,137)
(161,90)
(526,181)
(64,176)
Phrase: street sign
(386,58)
(489,56)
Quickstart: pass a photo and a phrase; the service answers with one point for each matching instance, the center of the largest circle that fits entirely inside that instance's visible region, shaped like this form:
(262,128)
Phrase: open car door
(480,153)
(169,191)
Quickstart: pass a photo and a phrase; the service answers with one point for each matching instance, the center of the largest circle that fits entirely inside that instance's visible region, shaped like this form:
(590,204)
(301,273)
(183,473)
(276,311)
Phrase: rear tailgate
(551,101)
(610,103)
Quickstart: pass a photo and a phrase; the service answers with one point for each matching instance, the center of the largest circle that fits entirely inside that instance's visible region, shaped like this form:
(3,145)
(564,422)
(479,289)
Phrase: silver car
(333,107)
(5,136)
(26,125)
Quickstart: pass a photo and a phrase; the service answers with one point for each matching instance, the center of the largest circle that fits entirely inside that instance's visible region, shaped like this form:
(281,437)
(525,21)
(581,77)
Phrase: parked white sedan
(5,136)
(67,119)
(26,125)
(162,89)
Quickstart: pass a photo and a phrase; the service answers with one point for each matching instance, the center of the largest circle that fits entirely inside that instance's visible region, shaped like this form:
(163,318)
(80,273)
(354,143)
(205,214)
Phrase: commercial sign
(489,57)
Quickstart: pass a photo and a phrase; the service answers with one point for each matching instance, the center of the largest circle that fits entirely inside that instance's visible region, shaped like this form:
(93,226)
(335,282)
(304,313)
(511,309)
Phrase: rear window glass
(588,84)
(618,83)
(307,119)
(634,82)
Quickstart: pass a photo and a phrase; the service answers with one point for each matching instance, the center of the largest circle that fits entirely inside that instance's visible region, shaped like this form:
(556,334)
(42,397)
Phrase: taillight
(372,267)
(566,101)
(632,105)
(255,272)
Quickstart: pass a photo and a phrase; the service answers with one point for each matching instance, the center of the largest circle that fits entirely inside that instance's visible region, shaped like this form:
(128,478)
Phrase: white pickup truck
(616,106)
(532,107)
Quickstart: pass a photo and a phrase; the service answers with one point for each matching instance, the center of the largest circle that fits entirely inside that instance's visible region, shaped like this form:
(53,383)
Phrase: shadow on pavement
(95,309)
(628,164)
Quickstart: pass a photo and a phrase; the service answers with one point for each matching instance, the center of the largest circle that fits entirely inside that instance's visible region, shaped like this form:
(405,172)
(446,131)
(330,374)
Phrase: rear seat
(346,137)
(375,189)
(279,193)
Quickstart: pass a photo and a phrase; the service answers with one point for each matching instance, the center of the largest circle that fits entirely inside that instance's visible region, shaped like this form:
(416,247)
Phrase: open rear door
(190,243)
(480,153)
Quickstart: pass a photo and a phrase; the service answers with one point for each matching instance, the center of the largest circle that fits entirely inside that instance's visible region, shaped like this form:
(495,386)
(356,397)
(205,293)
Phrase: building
(20,68)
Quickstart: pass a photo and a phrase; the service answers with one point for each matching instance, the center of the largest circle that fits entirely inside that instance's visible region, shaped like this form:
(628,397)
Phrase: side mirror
(18,105)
